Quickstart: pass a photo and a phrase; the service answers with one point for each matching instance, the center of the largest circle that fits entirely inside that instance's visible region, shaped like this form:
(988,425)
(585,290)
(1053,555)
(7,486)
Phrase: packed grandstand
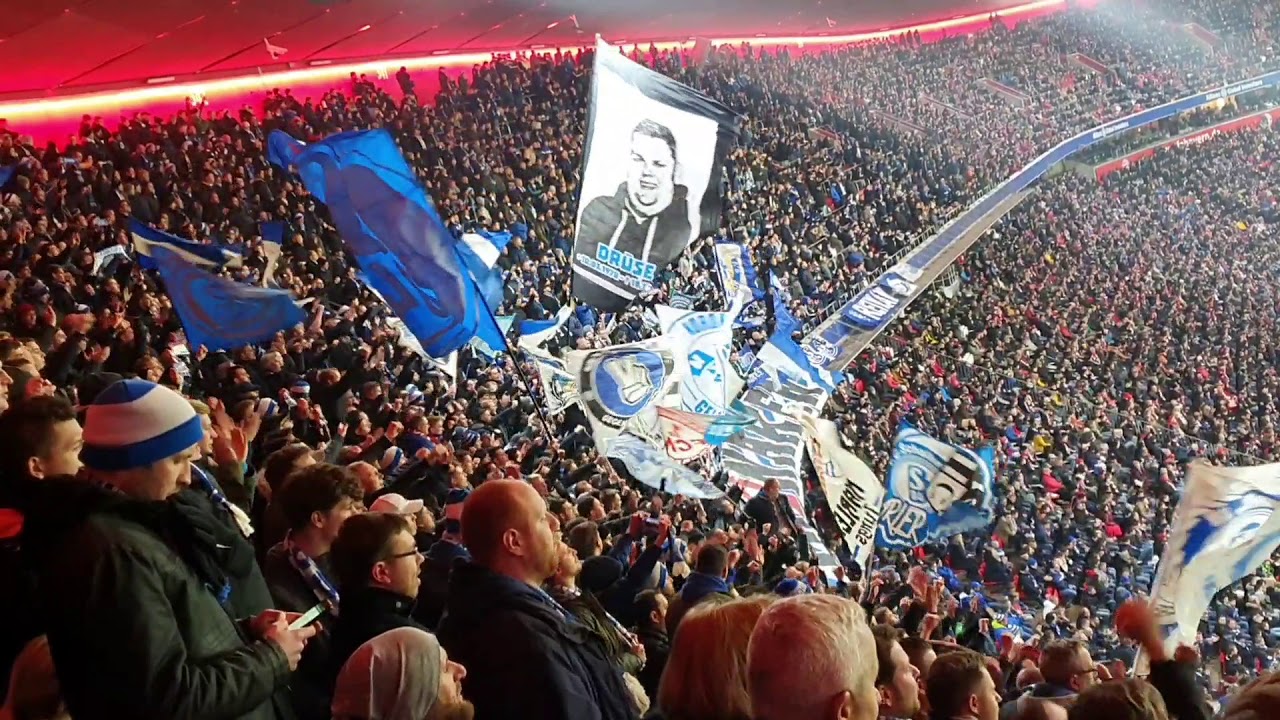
(1099,338)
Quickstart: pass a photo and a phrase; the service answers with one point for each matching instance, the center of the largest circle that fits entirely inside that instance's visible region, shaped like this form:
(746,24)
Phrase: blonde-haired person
(812,657)
(34,693)
(706,673)
(1130,699)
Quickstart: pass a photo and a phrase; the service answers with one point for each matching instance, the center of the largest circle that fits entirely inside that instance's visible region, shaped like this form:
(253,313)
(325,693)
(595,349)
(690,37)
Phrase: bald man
(525,655)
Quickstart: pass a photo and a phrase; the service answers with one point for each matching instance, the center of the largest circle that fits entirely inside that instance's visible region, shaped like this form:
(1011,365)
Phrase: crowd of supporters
(330,526)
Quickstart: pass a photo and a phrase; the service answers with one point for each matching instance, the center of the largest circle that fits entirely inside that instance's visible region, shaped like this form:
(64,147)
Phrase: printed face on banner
(647,170)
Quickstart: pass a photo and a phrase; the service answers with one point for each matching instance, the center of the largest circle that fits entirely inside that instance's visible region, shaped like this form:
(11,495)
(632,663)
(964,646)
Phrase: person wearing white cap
(134,576)
(402,674)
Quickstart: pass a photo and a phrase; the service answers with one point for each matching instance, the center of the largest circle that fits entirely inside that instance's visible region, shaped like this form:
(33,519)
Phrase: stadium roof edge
(178,88)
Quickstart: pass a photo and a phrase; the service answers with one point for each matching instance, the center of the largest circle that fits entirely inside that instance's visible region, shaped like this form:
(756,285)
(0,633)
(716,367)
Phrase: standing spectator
(134,576)
(440,560)
(811,657)
(897,680)
(651,608)
(402,673)
(1128,699)
(315,502)
(710,577)
(706,675)
(961,688)
(1067,670)
(42,440)
(550,666)
(376,560)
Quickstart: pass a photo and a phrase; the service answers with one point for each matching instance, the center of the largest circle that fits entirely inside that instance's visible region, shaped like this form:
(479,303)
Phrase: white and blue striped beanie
(134,423)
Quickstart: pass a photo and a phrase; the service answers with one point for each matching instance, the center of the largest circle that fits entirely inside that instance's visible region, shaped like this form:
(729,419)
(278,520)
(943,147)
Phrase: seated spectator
(141,574)
(897,679)
(812,657)
(1128,699)
(709,577)
(550,666)
(376,562)
(33,686)
(402,674)
(961,688)
(706,673)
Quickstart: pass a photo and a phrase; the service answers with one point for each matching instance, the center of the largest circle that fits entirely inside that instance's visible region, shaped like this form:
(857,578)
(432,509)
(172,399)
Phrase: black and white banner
(774,448)
(853,491)
(650,178)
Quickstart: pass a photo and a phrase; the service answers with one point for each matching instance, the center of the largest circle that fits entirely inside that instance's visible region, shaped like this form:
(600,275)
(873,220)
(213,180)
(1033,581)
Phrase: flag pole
(515,360)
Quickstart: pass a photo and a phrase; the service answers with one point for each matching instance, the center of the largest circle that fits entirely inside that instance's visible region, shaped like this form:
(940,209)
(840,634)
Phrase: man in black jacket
(526,656)
(651,608)
(376,561)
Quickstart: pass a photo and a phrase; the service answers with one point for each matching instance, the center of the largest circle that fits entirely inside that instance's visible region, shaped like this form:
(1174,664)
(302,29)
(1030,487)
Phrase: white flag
(1225,526)
(853,492)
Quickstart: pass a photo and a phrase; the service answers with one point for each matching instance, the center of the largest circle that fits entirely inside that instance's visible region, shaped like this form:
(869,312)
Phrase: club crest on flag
(934,490)
(619,385)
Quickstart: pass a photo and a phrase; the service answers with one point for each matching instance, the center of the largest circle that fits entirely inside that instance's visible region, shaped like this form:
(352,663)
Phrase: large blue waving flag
(397,237)
(220,313)
(282,149)
(934,490)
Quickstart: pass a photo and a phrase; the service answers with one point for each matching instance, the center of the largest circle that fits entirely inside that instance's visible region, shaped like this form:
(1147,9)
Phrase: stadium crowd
(330,526)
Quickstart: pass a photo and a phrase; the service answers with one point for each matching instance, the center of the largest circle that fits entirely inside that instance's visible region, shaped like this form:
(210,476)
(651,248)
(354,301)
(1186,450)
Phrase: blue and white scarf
(311,573)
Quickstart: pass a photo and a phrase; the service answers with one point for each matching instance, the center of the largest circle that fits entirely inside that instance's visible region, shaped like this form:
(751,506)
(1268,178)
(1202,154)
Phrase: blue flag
(272,232)
(397,237)
(783,357)
(283,150)
(934,491)
(222,314)
(146,241)
(6,174)
(479,253)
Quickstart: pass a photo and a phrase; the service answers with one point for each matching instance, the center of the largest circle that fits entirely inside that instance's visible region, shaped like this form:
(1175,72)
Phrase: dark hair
(364,541)
(645,603)
(886,637)
(318,488)
(712,560)
(27,431)
(953,679)
(583,538)
(661,132)
(916,648)
(280,464)
(585,503)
